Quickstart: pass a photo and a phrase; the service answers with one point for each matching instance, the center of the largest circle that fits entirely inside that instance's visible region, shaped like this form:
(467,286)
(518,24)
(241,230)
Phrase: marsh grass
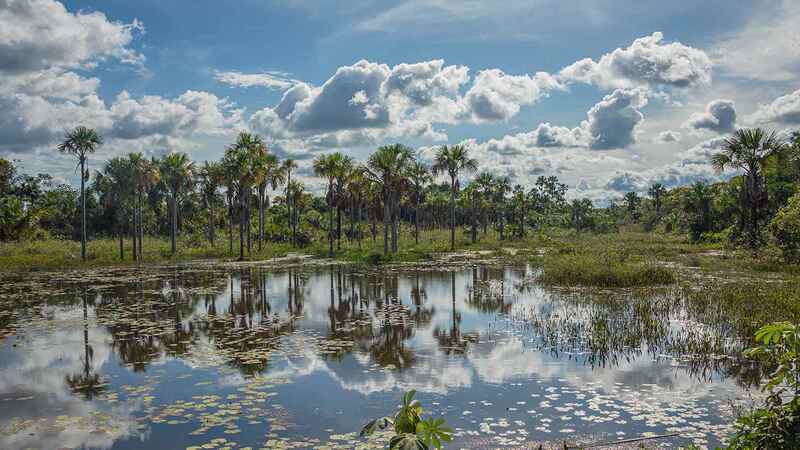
(606,270)
(65,254)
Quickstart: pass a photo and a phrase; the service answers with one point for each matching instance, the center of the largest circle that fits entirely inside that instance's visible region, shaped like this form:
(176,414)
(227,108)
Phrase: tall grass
(610,270)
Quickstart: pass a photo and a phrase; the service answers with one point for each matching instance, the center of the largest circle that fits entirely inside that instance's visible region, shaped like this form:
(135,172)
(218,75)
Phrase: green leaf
(376,425)
(433,431)
(407,441)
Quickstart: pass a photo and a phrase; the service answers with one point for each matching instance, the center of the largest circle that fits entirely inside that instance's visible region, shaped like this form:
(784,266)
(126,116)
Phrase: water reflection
(336,332)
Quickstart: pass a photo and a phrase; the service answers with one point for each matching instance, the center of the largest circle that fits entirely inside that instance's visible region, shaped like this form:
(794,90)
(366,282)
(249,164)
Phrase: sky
(609,96)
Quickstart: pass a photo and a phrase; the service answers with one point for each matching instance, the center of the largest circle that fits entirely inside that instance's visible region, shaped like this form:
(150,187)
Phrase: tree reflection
(87,383)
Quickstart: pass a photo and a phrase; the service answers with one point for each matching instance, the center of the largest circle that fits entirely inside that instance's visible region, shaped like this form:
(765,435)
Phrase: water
(224,356)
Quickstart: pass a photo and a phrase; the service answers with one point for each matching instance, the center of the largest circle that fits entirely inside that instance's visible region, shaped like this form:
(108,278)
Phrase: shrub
(777,424)
(785,229)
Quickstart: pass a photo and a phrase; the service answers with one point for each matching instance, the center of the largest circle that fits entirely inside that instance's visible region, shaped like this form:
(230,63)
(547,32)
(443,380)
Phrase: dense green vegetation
(250,200)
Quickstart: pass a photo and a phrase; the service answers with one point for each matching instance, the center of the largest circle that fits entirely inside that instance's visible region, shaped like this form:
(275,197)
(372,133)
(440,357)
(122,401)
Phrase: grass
(607,270)
(65,254)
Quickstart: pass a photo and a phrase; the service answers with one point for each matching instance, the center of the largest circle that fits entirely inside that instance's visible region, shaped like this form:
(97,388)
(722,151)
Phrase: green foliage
(777,423)
(411,431)
(785,229)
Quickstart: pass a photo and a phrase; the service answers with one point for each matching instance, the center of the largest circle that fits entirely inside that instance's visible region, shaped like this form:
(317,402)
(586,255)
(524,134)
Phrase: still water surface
(214,357)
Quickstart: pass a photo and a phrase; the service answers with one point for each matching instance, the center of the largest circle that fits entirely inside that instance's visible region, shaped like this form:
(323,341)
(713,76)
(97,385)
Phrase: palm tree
(176,172)
(240,161)
(748,150)
(357,189)
(81,142)
(327,166)
(697,204)
(145,176)
(502,186)
(343,172)
(453,160)
(579,213)
(387,168)
(212,176)
(656,192)
(268,173)
(114,185)
(485,183)
(632,203)
(288,166)
(419,176)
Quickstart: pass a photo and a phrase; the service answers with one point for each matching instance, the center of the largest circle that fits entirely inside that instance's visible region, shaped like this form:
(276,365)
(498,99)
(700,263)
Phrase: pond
(225,356)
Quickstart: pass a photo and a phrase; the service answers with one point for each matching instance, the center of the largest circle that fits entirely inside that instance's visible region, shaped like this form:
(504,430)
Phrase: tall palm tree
(113,183)
(357,187)
(579,213)
(343,172)
(268,173)
(453,161)
(485,183)
(502,186)
(697,203)
(748,150)
(327,166)
(419,175)
(176,172)
(288,166)
(81,142)
(656,192)
(240,161)
(212,176)
(387,167)
(145,176)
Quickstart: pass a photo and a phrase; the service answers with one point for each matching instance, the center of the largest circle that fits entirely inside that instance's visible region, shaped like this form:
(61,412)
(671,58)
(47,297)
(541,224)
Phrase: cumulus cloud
(784,110)
(498,96)
(648,62)
(272,80)
(719,116)
(41,34)
(422,82)
(692,166)
(667,136)
(612,122)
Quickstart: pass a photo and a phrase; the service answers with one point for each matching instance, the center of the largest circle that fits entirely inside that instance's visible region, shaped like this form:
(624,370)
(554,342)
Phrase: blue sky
(664,83)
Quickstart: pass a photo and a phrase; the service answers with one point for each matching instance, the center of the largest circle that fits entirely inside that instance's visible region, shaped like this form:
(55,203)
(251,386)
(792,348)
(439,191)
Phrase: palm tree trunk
(242,216)
(395,220)
(230,225)
(133,231)
(174,224)
(211,221)
(453,213)
(338,227)
(141,227)
(260,221)
(83,208)
(416,221)
(386,217)
(121,244)
(474,218)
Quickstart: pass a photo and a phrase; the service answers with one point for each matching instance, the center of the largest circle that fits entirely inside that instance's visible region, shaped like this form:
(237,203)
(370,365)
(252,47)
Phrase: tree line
(254,197)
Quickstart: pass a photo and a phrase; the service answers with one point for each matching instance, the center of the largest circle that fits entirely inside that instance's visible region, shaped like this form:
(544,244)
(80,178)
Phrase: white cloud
(784,110)
(648,62)
(667,136)
(497,96)
(272,80)
(42,34)
(719,116)
(612,122)
(767,48)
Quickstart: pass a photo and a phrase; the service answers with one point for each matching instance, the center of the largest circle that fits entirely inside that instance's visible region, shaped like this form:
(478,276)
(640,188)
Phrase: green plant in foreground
(777,423)
(412,432)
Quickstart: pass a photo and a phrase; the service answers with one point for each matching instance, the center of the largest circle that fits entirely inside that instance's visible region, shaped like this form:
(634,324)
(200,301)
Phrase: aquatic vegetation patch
(610,270)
